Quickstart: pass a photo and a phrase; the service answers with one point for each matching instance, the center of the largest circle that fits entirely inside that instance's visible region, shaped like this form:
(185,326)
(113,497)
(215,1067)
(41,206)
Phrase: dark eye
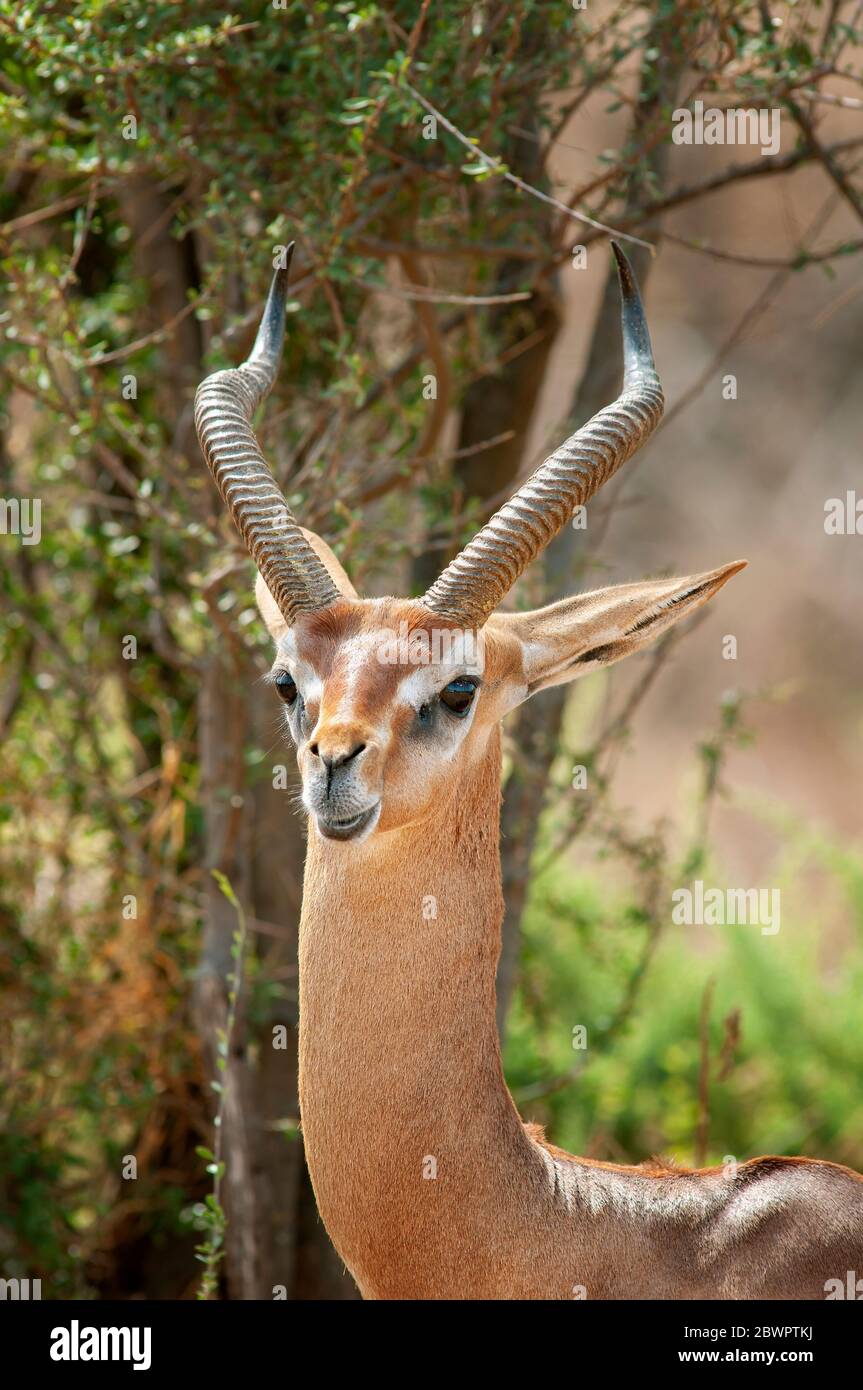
(287,687)
(458,696)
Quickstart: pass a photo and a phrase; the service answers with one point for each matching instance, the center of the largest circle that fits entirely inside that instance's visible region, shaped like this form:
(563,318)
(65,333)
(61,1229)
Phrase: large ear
(269,609)
(578,635)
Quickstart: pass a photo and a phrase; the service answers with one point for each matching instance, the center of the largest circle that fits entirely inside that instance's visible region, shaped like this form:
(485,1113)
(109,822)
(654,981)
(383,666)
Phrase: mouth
(350,828)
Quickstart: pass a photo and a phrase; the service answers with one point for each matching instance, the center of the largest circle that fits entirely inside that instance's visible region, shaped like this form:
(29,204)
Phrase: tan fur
(400,1069)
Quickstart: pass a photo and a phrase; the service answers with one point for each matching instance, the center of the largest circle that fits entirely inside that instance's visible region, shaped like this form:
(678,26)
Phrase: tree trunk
(504,402)
(538,727)
(252,836)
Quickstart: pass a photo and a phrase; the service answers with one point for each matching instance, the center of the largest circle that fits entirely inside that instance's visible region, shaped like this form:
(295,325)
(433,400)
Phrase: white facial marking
(420,685)
(423,683)
(307,680)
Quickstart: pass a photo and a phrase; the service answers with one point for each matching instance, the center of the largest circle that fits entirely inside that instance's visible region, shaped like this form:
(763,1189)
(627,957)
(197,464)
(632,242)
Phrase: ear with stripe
(578,635)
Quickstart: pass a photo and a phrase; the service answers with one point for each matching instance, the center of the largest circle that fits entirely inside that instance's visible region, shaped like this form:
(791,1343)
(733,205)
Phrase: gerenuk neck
(410,1132)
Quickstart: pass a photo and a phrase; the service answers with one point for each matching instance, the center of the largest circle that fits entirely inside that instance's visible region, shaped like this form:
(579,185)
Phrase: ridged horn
(473,584)
(224,406)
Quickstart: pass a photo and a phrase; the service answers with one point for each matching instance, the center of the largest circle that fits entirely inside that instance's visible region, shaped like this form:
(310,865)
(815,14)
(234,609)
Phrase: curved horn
(224,405)
(474,583)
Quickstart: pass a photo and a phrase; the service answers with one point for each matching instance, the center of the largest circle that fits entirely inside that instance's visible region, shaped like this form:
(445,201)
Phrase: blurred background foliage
(154,160)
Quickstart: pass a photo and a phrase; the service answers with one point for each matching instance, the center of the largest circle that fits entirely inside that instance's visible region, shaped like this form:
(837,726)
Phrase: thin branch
(806,125)
(422,296)
(463,250)
(30,219)
(404,475)
(496,167)
(156,336)
(798,261)
(80,236)
(832,99)
(831,165)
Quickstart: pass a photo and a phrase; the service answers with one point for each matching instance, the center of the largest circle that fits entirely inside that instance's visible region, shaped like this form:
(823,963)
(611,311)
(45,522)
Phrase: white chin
(357,829)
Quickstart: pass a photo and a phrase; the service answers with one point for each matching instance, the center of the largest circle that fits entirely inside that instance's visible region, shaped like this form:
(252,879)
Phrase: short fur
(426,1178)
(400,1069)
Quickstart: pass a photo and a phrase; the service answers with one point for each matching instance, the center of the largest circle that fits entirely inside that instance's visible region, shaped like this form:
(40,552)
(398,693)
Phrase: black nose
(339,759)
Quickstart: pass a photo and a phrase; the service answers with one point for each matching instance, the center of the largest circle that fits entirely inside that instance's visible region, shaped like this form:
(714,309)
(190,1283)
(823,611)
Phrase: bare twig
(156,336)
(496,167)
(423,296)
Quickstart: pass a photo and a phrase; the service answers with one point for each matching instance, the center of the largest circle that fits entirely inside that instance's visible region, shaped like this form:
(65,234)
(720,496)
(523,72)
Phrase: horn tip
(268,344)
(624,269)
(279,286)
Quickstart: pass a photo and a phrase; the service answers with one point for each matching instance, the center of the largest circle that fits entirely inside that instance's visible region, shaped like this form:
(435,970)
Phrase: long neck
(424,1175)
(404,1108)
